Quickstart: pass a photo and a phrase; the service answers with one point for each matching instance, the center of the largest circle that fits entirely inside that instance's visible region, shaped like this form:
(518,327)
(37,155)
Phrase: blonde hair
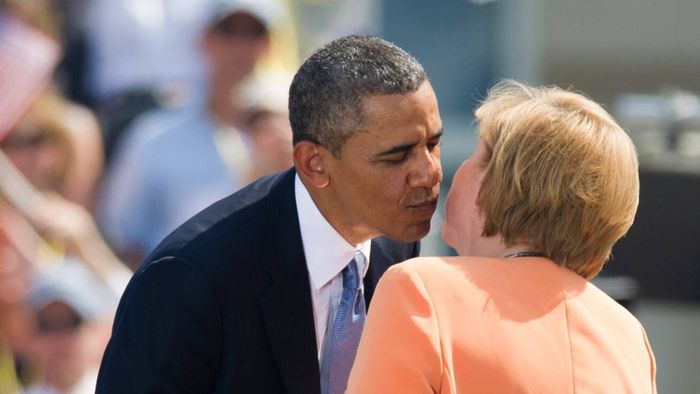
(563,176)
(40,14)
(44,117)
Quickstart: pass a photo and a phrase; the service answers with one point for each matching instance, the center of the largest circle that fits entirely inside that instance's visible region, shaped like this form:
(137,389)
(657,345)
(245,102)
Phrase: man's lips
(428,205)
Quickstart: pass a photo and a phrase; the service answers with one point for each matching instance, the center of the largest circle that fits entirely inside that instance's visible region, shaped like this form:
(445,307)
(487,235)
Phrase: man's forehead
(372,102)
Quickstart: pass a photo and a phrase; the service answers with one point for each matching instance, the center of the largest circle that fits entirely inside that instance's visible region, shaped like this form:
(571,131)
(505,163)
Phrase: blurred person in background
(57,146)
(141,55)
(534,214)
(27,58)
(71,313)
(265,119)
(39,14)
(51,148)
(42,147)
(174,162)
(16,273)
(67,232)
(39,133)
(84,159)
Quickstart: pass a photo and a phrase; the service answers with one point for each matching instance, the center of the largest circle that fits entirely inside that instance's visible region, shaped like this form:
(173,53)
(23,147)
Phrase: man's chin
(412,233)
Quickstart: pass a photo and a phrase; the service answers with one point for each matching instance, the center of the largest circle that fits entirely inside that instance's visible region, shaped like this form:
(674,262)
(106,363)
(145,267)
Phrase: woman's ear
(309,163)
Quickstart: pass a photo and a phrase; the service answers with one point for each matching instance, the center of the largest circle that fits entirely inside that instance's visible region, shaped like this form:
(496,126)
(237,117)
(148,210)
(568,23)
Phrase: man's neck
(349,229)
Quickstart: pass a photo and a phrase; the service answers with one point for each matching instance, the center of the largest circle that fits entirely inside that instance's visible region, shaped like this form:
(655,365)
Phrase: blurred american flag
(27,61)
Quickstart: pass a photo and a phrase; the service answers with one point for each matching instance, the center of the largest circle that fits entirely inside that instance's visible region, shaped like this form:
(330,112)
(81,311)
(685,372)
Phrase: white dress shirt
(326,253)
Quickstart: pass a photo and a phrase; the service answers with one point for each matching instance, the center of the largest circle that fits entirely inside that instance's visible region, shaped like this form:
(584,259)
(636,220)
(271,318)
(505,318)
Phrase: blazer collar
(286,306)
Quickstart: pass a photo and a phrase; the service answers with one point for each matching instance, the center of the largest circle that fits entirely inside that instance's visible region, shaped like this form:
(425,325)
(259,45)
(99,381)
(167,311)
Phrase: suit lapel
(287,306)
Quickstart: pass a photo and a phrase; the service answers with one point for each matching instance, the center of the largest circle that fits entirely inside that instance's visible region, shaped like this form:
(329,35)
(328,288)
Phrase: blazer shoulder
(437,265)
(429,270)
(229,221)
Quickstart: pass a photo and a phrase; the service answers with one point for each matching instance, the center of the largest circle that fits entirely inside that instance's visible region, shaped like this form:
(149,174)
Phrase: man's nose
(427,171)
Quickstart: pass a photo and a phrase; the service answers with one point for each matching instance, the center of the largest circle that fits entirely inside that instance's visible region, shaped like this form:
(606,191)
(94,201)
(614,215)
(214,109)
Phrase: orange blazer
(498,325)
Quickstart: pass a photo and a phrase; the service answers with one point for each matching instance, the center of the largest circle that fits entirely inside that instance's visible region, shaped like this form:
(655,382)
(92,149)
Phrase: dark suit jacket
(224,303)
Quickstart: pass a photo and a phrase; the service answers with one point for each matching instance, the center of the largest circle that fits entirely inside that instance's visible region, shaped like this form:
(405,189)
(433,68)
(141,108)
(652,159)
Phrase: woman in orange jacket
(533,214)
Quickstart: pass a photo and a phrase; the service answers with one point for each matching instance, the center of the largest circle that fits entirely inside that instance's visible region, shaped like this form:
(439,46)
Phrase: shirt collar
(326,251)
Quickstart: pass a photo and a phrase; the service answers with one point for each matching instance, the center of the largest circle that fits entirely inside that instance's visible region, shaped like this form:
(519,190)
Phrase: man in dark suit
(239,299)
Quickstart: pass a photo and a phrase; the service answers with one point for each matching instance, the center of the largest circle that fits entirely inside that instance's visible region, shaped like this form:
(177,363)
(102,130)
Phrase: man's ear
(309,163)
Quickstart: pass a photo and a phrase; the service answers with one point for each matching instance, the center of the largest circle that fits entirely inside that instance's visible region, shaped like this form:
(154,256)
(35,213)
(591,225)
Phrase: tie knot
(351,276)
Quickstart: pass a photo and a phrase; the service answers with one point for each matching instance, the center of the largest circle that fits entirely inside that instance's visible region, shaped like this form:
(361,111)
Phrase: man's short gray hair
(326,95)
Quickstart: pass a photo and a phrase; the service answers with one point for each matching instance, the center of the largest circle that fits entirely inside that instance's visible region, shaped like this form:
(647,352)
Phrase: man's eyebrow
(397,149)
(407,147)
(438,134)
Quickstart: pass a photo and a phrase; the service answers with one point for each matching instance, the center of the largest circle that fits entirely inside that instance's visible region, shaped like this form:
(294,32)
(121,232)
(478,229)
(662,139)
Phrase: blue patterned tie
(347,328)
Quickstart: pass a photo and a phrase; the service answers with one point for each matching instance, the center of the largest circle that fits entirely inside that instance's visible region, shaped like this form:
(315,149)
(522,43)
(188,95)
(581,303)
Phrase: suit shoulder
(457,275)
(609,309)
(432,266)
(422,269)
(231,222)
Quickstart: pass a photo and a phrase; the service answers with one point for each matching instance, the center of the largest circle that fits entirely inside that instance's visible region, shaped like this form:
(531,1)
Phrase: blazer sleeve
(399,350)
(167,333)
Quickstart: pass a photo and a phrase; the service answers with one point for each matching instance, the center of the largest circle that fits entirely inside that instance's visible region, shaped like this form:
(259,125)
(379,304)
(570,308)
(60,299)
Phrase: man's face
(39,154)
(386,179)
(59,343)
(235,44)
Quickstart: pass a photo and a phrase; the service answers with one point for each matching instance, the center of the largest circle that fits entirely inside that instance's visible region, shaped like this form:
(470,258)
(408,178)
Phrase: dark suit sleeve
(167,333)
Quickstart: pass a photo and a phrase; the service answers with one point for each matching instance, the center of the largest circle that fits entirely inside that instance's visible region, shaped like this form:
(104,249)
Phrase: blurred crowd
(121,119)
